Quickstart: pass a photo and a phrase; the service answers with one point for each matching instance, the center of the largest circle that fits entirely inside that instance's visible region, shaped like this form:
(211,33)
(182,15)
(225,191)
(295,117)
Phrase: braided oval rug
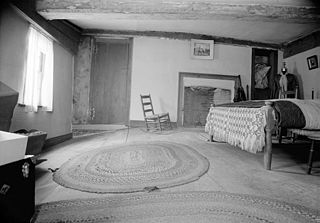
(132,167)
(176,207)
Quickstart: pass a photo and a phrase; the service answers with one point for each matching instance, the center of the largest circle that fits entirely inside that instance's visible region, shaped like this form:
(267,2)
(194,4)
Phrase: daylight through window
(38,82)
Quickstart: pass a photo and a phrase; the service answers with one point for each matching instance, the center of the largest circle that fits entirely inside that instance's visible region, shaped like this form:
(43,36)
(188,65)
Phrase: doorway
(263,71)
(110,82)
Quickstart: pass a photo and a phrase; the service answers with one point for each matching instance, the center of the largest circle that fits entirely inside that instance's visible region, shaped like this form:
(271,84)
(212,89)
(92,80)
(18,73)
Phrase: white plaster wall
(13,42)
(157,62)
(308,79)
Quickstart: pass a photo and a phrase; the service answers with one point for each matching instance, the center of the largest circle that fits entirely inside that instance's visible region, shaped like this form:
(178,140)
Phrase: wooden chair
(152,120)
(289,94)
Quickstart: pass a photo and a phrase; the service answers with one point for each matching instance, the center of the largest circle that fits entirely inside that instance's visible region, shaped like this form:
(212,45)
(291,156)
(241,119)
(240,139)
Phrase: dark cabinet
(17,191)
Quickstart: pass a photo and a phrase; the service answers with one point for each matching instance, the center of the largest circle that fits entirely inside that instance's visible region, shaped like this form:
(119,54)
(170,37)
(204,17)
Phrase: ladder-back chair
(289,94)
(152,120)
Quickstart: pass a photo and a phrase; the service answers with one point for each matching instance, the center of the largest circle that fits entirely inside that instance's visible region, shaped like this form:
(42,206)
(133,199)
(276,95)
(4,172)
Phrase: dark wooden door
(110,82)
(262,58)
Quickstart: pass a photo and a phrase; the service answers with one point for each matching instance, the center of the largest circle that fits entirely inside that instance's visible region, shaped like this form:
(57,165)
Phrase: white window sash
(38,79)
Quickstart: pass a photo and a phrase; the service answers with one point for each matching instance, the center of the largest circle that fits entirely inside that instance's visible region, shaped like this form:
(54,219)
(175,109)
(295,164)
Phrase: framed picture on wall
(312,62)
(202,49)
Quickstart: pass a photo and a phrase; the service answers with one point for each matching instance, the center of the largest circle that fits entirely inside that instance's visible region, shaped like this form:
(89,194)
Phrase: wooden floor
(231,169)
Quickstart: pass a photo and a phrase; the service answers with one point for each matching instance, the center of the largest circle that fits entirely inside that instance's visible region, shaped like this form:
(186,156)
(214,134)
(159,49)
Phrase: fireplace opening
(197,101)
(198,91)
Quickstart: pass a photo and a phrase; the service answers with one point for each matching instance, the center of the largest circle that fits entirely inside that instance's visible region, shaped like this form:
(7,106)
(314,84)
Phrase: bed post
(268,147)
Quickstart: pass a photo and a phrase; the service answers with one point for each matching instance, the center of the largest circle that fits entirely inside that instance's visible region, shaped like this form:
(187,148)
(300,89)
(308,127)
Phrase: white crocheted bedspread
(241,127)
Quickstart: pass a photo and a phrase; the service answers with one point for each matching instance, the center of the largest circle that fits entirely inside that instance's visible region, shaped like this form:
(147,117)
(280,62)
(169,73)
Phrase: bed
(249,124)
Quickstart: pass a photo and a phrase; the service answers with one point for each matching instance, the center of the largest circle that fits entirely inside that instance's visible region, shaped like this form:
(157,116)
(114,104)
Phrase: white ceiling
(263,21)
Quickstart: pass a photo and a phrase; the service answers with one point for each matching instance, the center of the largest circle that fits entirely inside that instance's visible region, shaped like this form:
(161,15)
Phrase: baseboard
(99,127)
(137,123)
(56,140)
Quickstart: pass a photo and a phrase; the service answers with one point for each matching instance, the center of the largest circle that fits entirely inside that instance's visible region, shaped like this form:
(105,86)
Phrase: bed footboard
(249,128)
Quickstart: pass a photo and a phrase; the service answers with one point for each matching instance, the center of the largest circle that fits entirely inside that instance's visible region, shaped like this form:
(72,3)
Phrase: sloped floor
(231,169)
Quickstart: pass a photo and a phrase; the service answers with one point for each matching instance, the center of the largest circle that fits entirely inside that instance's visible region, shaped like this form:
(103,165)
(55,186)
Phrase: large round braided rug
(176,207)
(132,167)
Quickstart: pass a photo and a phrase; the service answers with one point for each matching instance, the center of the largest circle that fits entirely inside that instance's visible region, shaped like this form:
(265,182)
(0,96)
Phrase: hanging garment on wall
(261,77)
(239,95)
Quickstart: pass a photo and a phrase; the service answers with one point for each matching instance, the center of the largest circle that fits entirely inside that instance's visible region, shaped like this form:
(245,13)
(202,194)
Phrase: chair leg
(169,122)
(159,122)
(147,125)
(310,157)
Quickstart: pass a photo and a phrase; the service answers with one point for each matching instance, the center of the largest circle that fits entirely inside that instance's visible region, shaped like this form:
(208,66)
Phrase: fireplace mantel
(184,75)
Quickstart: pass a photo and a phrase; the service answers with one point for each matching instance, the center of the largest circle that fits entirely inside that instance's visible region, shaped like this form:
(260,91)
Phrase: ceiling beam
(264,10)
(61,31)
(303,44)
(177,35)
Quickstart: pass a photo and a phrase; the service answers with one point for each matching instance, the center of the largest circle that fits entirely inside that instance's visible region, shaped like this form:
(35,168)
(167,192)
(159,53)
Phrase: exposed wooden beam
(178,35)
(63,32)
(303,44)
(271,10)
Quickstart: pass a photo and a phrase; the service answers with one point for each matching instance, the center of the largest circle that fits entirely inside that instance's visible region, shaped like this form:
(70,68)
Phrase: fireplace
(197,92)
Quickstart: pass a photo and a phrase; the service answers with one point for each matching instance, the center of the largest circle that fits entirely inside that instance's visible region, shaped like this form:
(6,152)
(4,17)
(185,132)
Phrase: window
(38,76)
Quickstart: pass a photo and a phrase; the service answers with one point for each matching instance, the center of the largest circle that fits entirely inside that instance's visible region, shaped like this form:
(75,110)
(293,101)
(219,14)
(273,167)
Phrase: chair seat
(285,94)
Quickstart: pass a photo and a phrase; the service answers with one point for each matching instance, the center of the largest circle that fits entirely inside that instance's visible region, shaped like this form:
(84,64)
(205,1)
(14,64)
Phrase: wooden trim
(301,45)
(99,126)
(129,80)
(60,31)
(209,76)
(183,75)
(177,35)
(137,123)
(56,140)
(265,10)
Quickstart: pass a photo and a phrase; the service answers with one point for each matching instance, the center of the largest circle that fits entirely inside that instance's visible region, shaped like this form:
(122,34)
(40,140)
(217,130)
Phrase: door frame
(273,57)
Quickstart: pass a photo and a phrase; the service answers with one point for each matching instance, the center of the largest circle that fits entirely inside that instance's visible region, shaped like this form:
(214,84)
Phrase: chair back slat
(147,106)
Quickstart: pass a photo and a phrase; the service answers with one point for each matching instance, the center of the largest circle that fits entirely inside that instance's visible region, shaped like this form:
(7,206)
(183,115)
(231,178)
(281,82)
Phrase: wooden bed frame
(267,158)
